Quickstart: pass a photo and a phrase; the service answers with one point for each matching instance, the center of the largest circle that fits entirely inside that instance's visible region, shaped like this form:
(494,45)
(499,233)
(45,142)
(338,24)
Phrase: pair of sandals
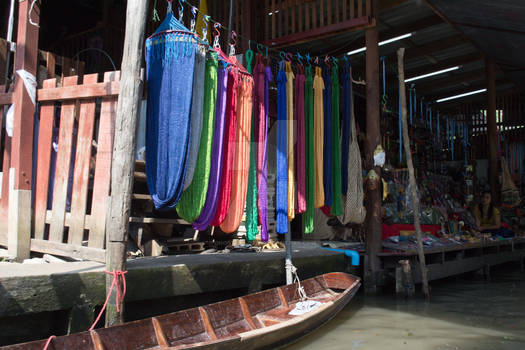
(273,246)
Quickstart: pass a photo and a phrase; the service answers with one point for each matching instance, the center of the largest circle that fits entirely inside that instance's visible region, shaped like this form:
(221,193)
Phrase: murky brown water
(466,314)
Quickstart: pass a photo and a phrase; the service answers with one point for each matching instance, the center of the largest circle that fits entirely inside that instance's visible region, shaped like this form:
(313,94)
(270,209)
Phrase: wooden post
(19,220)
(492,133)
(373,139)
(410,166)
(123,163)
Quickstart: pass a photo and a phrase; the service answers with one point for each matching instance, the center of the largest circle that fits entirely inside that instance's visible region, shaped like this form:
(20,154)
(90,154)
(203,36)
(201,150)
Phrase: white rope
(300,289)
(29,14)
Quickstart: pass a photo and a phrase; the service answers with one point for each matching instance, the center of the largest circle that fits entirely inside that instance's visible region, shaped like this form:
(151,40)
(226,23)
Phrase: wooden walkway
(444,262)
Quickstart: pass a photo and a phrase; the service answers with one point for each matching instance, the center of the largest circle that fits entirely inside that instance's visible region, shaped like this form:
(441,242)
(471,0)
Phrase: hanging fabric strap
(430,117)
(336,208)
(230,143)
(210,206)
(241,165)
(251,199)
(346,101)
(410,93)
(290,138)
(318,137)
(196,114)
(282,168)
(301,152)
(310,163)
(262,180)
(327,145)
(193,198)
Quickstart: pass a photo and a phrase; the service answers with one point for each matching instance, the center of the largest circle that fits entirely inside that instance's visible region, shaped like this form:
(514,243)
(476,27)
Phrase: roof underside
(496,27)
(436,44)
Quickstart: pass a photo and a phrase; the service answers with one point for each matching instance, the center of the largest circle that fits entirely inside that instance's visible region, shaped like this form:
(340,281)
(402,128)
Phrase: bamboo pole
(123,162)
(410,165)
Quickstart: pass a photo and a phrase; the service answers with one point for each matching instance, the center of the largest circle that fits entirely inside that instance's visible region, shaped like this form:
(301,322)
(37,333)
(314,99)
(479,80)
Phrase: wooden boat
(254,321)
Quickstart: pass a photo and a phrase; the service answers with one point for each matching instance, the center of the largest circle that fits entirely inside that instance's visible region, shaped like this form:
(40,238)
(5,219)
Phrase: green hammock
(251,200)
(309,142)
(193,198)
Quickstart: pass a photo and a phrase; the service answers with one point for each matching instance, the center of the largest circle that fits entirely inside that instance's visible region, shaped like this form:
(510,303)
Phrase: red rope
(120,298)
(49,341)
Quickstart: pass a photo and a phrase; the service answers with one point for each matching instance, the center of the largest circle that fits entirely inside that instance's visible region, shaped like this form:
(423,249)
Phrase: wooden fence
(73,166)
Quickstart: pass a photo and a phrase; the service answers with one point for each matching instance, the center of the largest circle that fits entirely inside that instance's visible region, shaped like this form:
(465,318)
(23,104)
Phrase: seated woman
(488,217)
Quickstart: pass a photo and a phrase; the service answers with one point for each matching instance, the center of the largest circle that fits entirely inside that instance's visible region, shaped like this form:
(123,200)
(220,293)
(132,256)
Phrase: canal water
(467,313)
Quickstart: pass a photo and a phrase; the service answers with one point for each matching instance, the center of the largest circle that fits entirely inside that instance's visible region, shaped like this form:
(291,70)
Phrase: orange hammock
(241,163)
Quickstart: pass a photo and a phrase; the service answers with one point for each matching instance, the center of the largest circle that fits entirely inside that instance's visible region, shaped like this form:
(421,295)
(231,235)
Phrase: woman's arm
(497,221)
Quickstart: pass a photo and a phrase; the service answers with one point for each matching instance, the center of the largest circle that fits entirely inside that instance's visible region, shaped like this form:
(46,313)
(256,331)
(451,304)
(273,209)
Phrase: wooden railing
(73,166)
(72,188)
(294,21)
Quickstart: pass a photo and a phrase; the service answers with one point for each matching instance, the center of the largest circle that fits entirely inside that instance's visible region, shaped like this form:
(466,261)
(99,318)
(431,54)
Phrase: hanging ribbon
(193,198)
(251,200)
(230,143)
(336,208)
(310,163)
(327,146)
(430,118)
(301,154)
(410,93)
(346,102)
(210,206)
(290,125)
(282,170)
(318,137)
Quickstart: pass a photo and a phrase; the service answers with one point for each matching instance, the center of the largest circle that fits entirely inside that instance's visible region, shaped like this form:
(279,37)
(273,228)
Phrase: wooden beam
(19,219)
(125,143)
(385,5)
(319,32)
(373,139)
(104,89)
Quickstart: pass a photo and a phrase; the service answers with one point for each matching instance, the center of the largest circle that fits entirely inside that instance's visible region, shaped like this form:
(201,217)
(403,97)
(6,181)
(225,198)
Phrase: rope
(29,14)
(300,288)
(120,295)
(120,298)
(49,341)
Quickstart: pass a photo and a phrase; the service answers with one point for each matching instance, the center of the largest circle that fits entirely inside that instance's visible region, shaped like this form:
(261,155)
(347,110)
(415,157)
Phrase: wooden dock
(449,261)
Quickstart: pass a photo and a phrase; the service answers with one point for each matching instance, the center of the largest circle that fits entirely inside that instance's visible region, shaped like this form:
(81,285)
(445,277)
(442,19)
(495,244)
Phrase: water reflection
(465,314)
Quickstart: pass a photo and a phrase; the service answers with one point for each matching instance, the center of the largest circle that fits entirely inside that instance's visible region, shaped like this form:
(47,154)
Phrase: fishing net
(354,211)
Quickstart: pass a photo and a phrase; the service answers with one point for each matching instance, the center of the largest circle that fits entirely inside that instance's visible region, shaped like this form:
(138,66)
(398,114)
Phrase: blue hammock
(170,60)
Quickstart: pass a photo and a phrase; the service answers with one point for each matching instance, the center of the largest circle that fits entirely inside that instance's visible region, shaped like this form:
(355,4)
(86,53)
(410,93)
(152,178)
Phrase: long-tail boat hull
(254,321)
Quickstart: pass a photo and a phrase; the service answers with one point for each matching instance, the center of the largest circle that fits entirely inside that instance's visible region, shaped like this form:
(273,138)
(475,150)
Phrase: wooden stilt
(373,139)
(19,221)
(123,163)
(410,166)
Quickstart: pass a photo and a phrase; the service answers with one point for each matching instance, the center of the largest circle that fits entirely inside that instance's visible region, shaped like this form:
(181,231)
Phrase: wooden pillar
(492,133)
(373,139)
(123,163)
(19,221)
